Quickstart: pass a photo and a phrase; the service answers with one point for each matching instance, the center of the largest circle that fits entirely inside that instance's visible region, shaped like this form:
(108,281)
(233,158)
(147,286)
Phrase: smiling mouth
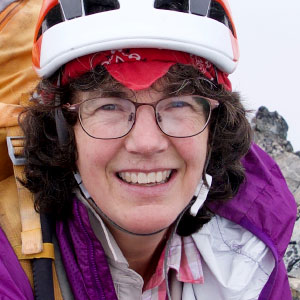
(146,179)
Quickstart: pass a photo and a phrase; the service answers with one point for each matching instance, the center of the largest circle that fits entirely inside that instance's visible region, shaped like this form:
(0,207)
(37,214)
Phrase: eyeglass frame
(76,106)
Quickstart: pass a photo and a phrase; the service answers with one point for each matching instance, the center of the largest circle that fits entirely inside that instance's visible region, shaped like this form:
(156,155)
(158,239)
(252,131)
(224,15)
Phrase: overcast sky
(269,70)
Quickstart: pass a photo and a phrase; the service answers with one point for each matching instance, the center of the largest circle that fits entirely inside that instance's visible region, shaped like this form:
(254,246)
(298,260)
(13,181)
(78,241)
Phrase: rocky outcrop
(270,133)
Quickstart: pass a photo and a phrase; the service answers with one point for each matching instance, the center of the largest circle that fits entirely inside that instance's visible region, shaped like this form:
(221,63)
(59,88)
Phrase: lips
(149,178)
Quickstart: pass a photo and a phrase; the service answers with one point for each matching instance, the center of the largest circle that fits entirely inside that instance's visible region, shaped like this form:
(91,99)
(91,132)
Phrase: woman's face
(145,153)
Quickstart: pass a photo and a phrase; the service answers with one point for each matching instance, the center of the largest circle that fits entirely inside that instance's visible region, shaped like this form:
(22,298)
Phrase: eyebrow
(114,93)
(119,91)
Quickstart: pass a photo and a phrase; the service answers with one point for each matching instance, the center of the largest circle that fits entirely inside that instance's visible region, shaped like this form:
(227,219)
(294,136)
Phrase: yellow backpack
(18,218)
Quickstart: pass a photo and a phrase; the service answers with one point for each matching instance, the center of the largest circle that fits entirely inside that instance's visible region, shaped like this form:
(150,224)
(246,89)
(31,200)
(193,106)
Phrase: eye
(108,107)
(176,104)
(179,104)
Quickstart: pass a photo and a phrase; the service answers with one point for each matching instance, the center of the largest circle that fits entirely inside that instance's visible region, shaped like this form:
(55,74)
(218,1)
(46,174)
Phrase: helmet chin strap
(201,195)
(87,196)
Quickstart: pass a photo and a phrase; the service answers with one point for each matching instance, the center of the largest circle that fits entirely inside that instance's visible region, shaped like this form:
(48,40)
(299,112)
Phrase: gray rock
(270,131)
(271,122)
(292,254)
(271,143)
(289,164)
(295,287)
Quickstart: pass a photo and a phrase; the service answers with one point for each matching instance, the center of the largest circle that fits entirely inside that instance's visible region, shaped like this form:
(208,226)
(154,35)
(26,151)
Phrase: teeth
(142,178)
(159,177)
(164,175)
(127,177)
(145,178)
(134,178)
(151,177)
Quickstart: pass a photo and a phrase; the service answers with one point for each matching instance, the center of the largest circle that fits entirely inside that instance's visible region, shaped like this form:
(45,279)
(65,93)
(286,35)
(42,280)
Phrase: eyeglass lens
(180,116)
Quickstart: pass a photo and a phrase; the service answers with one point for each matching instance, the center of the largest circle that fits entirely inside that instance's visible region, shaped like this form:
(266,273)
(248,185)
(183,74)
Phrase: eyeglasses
(113,118)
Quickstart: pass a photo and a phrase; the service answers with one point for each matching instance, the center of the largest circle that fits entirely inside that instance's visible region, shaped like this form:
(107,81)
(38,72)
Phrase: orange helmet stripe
(36,52)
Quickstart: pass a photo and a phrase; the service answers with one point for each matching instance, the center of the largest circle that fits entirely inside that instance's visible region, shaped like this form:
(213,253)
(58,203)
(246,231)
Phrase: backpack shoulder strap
(31,234)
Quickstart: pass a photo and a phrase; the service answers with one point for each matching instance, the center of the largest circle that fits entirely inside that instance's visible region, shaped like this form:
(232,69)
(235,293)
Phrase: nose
(145,137)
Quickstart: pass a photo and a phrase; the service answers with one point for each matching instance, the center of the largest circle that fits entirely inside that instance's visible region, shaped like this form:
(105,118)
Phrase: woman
(143,156)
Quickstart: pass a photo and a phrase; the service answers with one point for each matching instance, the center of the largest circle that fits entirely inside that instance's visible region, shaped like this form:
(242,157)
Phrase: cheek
(94,154)
(193,151)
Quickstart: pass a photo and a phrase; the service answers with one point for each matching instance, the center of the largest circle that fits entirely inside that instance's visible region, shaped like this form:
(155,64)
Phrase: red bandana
(138,69)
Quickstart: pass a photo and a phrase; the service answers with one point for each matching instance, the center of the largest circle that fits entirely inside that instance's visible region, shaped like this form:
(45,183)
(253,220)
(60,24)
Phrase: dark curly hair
(50,165)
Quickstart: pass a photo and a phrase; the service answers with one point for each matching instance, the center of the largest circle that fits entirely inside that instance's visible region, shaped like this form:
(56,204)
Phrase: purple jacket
(263,205)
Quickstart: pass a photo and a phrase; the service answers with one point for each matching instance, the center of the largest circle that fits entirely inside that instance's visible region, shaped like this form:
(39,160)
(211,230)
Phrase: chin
(145,224)
(145,230)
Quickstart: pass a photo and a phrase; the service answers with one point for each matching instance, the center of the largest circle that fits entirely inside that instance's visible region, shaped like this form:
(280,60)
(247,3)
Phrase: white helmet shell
(135,24)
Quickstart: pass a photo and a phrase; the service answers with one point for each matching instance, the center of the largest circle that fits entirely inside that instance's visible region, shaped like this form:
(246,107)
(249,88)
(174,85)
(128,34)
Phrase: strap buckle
(17,160)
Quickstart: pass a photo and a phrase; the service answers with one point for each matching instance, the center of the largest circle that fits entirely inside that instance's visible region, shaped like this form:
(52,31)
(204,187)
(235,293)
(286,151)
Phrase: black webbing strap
(42,267)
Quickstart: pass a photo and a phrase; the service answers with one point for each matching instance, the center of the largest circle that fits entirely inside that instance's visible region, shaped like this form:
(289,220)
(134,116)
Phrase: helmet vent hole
(96,6)
(179,5)
(72,8)
(199,8)
(218,13)
(53,17)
